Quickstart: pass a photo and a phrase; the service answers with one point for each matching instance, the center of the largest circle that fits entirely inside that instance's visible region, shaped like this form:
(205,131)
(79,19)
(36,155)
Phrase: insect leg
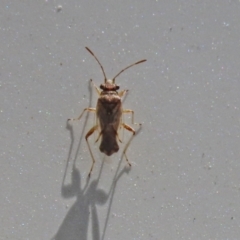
(86,109)
(122,93)
(90,132)
(96,87)
(99,135)
(130,129)
(119,139)
(132,112)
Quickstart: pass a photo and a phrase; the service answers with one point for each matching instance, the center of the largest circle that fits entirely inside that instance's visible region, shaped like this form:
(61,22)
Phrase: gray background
(185,178)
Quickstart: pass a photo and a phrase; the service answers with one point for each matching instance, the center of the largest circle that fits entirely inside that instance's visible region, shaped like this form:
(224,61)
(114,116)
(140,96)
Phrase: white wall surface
(185,177)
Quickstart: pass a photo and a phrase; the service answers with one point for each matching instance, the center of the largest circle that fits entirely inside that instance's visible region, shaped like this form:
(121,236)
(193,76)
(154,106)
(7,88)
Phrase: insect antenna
(105,78)
(144,60)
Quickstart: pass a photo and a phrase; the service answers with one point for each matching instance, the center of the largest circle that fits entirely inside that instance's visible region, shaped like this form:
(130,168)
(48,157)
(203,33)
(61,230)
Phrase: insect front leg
(86,109)
(96,87)
(90,132)
(122,93)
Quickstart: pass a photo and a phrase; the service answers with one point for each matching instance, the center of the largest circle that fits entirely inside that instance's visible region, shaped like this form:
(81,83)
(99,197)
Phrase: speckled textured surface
(184,182)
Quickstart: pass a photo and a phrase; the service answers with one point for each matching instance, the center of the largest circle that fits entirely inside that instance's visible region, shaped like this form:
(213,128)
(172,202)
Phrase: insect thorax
(109,101)
(109,109)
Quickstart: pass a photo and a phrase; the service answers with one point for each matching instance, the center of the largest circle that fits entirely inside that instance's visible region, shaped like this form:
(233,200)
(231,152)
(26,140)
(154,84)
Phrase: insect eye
(117,87)
(101,87)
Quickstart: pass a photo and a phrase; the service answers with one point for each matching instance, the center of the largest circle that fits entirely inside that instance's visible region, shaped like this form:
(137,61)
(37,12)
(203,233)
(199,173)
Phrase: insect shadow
(109,112)
(76,223)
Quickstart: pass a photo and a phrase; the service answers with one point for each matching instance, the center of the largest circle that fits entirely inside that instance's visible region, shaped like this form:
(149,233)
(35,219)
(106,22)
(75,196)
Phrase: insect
(109,115)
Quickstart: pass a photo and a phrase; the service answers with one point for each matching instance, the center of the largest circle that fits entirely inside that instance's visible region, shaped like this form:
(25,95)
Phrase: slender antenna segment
(105,78)
(144,60)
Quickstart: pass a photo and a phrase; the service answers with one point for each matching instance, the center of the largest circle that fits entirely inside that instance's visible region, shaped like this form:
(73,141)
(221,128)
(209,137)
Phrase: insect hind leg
(130,129)
(90,132)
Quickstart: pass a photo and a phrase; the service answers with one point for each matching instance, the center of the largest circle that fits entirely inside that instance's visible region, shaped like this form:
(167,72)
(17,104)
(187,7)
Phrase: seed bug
(109,115)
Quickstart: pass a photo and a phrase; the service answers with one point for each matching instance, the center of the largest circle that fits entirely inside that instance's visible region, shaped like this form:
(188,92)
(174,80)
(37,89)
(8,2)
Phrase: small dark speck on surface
(59,8)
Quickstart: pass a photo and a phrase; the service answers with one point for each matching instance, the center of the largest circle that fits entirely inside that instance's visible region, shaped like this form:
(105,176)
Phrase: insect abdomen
(109,143)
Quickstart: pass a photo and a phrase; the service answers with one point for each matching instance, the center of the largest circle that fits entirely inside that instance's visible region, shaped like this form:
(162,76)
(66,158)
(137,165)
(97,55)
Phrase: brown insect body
(109,113)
